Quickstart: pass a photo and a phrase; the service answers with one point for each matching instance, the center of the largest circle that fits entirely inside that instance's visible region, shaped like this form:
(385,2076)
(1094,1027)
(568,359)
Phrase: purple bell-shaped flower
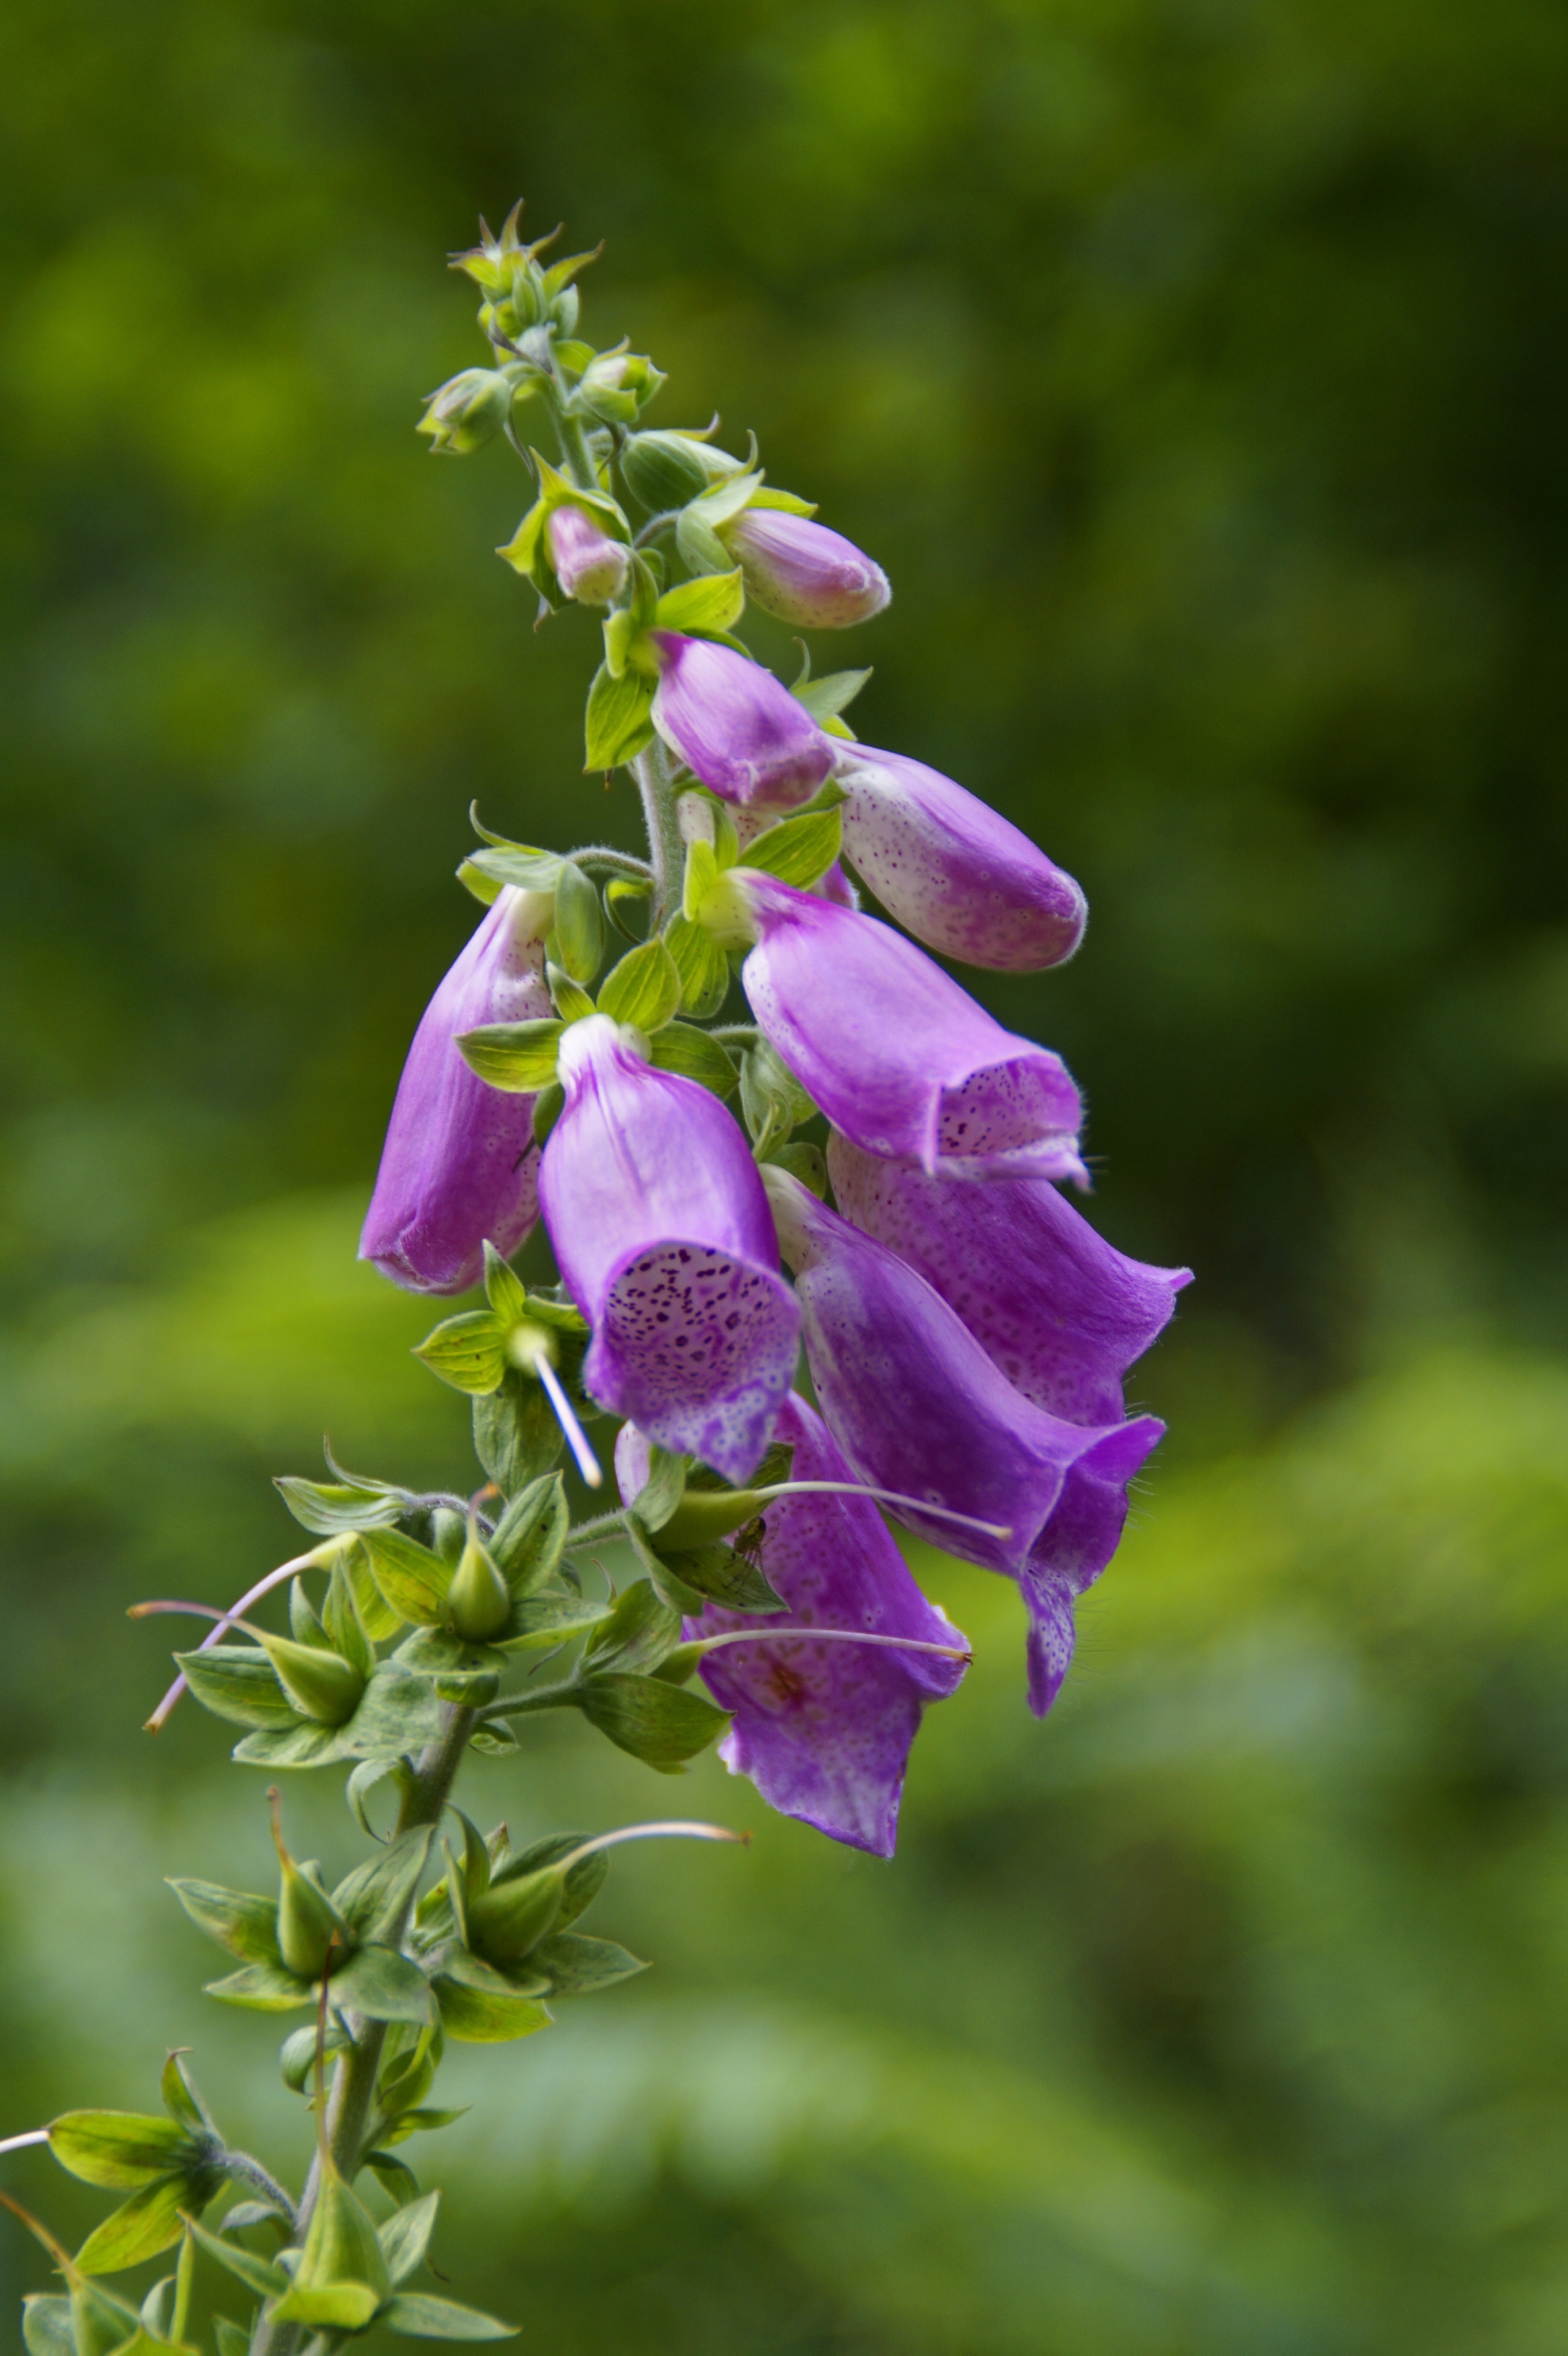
(460,1165)
(823,1727)
(735,727)
(664,1239)
(802,573)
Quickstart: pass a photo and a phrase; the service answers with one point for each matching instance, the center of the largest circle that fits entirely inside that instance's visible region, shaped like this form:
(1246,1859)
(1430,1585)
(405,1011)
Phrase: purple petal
(1073,1549)
(953,870)
(898,1056)
(802,573)
(1057,1309)
(664,1239)
(736,729)
(824,1730)
(460,1165)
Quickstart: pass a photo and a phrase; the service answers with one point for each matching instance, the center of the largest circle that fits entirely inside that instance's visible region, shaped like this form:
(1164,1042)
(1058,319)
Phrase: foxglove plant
(966,1330)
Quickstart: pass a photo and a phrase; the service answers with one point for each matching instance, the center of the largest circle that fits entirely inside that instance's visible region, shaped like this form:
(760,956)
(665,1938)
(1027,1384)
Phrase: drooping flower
(822,1729)
(954,872)
(802,573)
(460,1165)
(589,566)
(735,727)
(898,1056)
(918,1408)
(1056,1308)
(664,1241)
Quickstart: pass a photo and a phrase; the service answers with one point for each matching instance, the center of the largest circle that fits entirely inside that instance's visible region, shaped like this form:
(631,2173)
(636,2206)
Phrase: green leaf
(296,1746)
(660,1724)
(119,2149)
(618,724)
(826,697)
(240,1921)
(576,1965)
(383,1986)
(373,1898)
(702,965)
(258,2274)
(527,1542)
(45,2325)
(151,2221)
(329,1508)
(479,2017)
(695,1055)
(798,850)
(644,988)
(405,2237)
(467,1351)
(237,1681)
(725,1578)
(516,1436)
(715,601)
(398,1715)
(419,2316)
(412,1579)
(262,1987)
(518,1057)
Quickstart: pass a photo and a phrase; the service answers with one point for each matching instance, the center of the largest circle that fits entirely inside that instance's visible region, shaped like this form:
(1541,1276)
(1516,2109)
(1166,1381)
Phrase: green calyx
(511,1917)
(341,2280)
(478,1599)
(320,1683)
(311,1934)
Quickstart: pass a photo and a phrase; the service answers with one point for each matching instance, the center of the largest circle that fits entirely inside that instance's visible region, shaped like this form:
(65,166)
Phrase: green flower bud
(616,385)
(309,1926)
(511,1917)
(478,1599)
(322,1685)
(667,468)
(449,1530)
(468,410)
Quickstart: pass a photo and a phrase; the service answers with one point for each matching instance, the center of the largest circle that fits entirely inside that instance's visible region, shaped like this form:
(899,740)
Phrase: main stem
(666,847)
(354,2080)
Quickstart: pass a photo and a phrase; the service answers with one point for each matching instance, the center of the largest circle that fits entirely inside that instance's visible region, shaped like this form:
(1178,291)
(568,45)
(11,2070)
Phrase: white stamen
(588,1463)
(17,2143)
(887,1497)
(668,1830)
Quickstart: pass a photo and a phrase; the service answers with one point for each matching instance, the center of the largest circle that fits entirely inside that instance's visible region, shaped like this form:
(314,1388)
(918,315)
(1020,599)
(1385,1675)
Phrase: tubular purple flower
(917,1406)
(823,1730)
(589,564)
(737,729)
(802,573)
(460,1165)
(898,1056)
(1060,1311)
(664,1239)
(952,871)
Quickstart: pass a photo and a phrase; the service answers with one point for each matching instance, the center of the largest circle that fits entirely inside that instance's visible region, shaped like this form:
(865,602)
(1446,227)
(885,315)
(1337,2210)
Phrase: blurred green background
(1197,370)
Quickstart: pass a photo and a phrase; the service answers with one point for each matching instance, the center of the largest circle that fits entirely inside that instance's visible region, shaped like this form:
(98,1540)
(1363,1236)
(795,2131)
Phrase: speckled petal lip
(460,1165)
(664,1241)
(800,572)
(898,1056)
(1060,1311)
(823,1730)
(956,873)
(735,727)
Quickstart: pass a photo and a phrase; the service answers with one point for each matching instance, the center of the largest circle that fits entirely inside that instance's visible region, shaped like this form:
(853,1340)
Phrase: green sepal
(262,1987)
(797,851)
(422,2120)
(478,1973)
(576,1965)
(334,2306)
(468,1350)
(542,1622)
(643,990)
(572,1002)
(373,1898)
(120,2150)
(772,1100)
(661,1725)
(299,1745)
(665,1486)
(579,924)
(517,1057)
(826,697)
(331,1507)
(702,965)
(238,1682)
(341,2277)
(232,2339)
(297,2059)
(258,2274)
(180,2098)
(322,1685)
(478,1599)
(695,1055)
(240,1921)
(405,2237)
(397,1716)
(363,1782)
(514,864)
(584,1881)
(152,2220)
(493,1739)
(619,723)
(516,1436)
(396,2179)
(408,2070)
(514,1914)
(345,1629)
(710,605)
(473,2018)
(805,1161)
(638,1630)
(723,1575)
(668,1585)
(548,1107)
(384,1986)
(412,1578)
(419,2316)
(304,1625)
(528,1540)
(47,2326)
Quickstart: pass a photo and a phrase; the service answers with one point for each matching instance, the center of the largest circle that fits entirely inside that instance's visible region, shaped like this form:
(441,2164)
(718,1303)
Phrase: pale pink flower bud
(589,564)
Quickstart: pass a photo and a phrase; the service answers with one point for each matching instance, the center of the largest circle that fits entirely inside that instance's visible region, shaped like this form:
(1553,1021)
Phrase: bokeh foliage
(1198,370)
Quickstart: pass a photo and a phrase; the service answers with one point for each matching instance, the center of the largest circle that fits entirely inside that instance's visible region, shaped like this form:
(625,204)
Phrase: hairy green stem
(666,846)
(354,2080)
(241,2165)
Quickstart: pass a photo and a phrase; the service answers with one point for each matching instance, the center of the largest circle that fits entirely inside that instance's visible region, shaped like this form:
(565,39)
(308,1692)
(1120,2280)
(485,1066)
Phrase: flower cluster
(965,1329)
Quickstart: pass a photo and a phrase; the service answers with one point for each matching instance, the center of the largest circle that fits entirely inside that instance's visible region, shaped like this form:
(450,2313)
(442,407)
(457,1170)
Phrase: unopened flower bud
(589,564)
(617,384)
(667,469)
(467,412)
(738,730)
(802,573)
(309,1926)
(321,1685)
(510,1917)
